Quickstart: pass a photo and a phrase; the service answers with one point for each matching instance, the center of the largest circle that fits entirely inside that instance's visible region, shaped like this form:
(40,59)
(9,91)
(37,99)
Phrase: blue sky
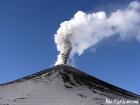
(27,29)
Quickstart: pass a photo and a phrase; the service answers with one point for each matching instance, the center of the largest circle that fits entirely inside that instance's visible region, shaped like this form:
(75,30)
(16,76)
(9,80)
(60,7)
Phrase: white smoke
(87,30)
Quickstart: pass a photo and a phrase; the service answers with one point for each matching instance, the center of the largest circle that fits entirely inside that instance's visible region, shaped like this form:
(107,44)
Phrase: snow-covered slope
(61,85)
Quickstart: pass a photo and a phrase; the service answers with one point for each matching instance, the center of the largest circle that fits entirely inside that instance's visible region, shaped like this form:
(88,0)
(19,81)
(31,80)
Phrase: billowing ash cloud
(87,30)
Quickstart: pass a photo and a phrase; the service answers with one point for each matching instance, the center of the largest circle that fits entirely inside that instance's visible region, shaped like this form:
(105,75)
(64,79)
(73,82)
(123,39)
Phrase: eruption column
(85,30)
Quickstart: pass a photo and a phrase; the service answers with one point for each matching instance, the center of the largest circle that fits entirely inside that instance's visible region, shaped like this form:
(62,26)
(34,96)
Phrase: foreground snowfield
(61,85)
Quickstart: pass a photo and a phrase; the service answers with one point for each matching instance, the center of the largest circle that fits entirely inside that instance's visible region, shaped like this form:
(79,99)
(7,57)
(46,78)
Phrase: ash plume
(64,54)
(84,30)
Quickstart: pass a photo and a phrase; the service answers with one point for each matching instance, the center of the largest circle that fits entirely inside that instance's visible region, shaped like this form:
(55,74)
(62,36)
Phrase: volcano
(61,85)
